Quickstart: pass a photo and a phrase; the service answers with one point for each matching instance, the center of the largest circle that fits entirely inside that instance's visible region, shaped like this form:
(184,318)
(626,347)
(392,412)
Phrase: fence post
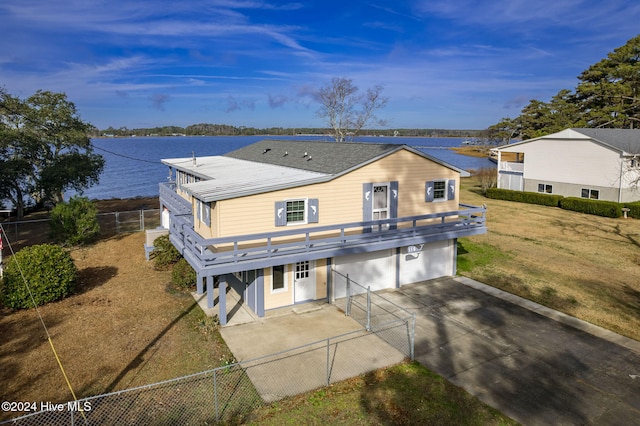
(328,367)
(141,227)
(368,308)
(412,337)
(215,394)
(347,308)
(117,222)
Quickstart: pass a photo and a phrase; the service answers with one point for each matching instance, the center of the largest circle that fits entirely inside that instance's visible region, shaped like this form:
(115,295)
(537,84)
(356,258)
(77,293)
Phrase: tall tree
(609,92)
(44,149)
(608,95)
(346,111)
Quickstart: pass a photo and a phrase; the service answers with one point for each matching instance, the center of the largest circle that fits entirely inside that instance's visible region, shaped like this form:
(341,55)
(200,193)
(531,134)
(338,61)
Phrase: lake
(133,168)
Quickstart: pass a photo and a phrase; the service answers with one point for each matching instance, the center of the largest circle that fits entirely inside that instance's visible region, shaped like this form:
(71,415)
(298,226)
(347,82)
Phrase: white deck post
(222,300)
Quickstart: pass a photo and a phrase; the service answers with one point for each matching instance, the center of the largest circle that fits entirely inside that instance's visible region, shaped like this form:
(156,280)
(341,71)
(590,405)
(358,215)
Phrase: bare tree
(346,111)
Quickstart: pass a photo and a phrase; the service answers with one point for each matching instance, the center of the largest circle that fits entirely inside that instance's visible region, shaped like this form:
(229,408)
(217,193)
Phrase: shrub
(524,197)
(48,270)
(488,178)
(596,207)
(164,253)
(182,274)
(75,222)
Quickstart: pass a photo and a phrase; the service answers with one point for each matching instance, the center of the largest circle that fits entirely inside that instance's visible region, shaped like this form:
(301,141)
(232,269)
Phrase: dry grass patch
(587,266)
(124,327)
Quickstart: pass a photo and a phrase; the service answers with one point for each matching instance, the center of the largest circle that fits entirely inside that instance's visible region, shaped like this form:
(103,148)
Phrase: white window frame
(305,206)
(285,287)
(388,208)
(445,194)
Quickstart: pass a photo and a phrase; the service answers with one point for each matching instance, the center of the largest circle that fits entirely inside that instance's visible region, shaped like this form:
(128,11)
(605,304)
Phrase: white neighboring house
(600,164)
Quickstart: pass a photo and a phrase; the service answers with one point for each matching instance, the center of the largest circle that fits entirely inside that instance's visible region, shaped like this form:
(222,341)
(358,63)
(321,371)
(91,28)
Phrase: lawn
(586,266)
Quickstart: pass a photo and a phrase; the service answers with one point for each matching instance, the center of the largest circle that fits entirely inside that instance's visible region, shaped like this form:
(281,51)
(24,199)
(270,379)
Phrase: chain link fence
(229,394)
(29,232)
(392,323)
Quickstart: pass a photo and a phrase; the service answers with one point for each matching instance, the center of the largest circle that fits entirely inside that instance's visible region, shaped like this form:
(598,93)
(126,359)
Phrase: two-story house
(285,215)
(599,164)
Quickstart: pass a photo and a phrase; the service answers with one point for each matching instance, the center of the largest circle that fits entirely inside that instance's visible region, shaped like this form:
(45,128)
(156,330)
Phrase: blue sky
(460,64)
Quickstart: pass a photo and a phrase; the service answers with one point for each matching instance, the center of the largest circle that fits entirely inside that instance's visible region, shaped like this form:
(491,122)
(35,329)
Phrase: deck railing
(509,166)
(224,255)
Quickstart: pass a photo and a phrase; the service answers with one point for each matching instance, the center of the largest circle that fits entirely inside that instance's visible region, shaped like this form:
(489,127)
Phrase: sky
(462,64)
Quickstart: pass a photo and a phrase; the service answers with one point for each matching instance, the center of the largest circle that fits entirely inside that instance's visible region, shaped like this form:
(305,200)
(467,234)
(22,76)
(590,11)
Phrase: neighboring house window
(440,190)
(593,194)
(297,212)
(278,281)
(545,188)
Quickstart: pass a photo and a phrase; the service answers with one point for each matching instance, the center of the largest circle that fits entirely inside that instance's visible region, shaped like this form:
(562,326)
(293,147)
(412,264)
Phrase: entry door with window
(380,202)
(304,284)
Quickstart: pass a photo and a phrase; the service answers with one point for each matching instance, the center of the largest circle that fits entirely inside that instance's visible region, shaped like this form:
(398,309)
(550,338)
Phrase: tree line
(607,96)
(206,129)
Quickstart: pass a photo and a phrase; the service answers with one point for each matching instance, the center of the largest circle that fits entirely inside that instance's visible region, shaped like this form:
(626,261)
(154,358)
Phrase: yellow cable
(35,305)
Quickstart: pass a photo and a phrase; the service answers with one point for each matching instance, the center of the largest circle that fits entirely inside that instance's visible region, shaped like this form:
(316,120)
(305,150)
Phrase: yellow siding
(340,200)
(321,278)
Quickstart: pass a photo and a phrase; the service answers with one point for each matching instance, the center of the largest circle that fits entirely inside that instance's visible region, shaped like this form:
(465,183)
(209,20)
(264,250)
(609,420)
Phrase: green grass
(473,254)
(407,393)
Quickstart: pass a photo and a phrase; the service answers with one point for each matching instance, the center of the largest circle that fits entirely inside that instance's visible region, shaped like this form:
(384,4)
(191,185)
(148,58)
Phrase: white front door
(304,287)
(380,208)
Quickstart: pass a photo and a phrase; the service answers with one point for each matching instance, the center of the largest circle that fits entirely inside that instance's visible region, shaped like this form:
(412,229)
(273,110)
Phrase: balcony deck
(219,256)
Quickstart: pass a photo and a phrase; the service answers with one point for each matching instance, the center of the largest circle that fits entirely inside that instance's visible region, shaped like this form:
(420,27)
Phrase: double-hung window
(440,190)
(296,212)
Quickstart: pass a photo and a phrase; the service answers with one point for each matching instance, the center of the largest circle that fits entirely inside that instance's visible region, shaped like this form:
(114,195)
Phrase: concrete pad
(294,353)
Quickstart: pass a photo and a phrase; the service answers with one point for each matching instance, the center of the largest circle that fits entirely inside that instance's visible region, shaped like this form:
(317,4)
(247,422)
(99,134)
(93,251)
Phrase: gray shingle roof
(627,140)
(322,157)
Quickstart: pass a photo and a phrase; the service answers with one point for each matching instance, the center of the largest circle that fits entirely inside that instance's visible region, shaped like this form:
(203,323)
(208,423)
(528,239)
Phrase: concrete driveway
(536,365)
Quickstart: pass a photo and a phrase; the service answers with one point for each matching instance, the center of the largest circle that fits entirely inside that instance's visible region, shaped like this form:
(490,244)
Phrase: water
(133,168)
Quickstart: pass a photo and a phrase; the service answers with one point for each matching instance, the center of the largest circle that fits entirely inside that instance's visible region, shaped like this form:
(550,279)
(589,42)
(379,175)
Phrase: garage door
(426,262)
(375,269)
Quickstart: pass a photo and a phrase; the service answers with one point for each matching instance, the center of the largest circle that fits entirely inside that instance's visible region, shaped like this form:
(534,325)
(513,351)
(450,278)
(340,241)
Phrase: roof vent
(266,150)
(309,159)
(285,154)
(305,154)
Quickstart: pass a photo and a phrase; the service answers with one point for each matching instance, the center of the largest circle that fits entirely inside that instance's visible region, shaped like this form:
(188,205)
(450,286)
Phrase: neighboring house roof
(625,141)
(271,165)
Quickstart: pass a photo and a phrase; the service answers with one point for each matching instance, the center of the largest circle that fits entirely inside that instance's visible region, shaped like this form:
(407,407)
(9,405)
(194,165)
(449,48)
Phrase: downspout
(621,175)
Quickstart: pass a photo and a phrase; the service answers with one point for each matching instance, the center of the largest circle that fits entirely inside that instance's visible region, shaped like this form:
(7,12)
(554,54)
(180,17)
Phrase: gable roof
(316,156)
(271,165)
(625,141)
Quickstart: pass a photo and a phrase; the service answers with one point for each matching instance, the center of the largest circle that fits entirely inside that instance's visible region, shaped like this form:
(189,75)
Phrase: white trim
(304,211)
(445,189)
(285,274)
